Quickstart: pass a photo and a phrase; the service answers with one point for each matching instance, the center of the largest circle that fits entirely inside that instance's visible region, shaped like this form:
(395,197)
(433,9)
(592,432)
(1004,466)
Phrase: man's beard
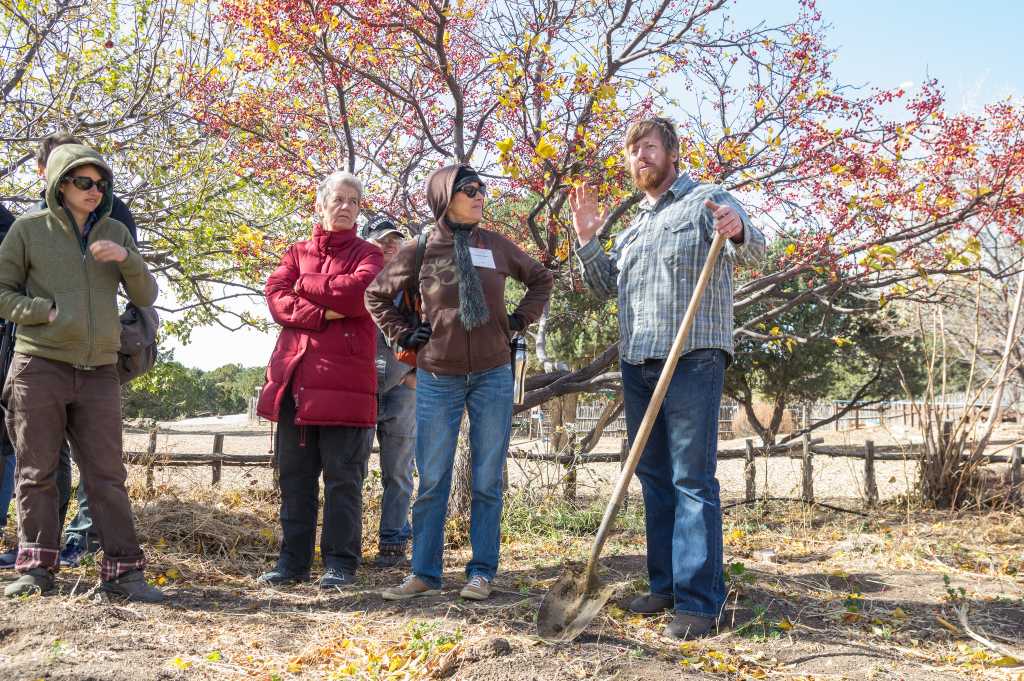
(651,177)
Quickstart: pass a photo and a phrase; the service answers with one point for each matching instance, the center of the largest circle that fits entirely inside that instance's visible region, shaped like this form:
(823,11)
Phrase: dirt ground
(813,594)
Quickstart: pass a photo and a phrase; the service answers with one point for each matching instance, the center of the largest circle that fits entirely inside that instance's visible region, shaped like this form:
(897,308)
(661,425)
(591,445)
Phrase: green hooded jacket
(44,264)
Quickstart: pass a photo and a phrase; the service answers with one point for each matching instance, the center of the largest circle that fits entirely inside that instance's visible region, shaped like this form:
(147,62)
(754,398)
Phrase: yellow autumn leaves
(545,149)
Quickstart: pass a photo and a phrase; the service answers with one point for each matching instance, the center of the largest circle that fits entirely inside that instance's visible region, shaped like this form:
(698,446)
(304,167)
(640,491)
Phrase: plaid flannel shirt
(654,265)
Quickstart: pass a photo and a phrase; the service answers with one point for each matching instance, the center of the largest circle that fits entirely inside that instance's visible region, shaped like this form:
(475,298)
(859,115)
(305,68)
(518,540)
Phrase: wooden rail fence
(805,450)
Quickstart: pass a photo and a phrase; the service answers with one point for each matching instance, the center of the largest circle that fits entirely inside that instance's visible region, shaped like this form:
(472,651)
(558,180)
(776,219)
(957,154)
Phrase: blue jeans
(677,473)
(80,531)
(396,433)
(440,401)
(6,488)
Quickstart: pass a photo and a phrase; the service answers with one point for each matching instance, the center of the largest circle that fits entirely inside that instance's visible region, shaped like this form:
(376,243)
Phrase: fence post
(623,455)
(749,475)
(570,472)
(217,463)
(150,458)
(807,493)
(870,484)
(835,413)
(1015,473)
(856,418)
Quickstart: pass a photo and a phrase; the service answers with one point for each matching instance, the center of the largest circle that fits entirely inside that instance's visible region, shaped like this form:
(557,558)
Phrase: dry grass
(812,594)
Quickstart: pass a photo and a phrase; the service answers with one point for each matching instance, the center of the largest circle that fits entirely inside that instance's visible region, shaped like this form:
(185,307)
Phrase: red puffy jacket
(329,364)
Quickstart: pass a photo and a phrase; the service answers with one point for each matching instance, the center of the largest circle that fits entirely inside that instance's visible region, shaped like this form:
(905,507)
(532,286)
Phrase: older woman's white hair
(337,177)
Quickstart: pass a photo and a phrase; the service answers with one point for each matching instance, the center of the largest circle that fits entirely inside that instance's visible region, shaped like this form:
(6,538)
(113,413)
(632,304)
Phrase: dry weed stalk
(950,474)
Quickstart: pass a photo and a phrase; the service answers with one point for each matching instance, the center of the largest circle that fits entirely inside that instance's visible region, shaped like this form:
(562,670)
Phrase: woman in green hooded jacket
(60,269)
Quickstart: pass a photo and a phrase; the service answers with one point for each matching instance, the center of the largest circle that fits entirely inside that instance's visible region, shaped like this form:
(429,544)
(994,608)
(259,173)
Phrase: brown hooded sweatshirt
(452,350)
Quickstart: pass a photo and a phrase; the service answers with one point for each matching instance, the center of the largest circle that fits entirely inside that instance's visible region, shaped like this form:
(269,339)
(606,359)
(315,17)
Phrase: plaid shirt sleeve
(752,249)
(600,269)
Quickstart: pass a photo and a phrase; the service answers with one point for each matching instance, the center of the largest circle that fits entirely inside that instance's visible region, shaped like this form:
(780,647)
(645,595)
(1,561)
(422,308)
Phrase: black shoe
(35,581)
(688,627)
(281,577)
(336,578)
(133,586)
(651,604)
(391,556)
(73,553)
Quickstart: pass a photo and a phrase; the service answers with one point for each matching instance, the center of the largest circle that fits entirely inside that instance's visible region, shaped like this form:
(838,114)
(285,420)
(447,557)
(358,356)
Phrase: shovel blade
(570,605)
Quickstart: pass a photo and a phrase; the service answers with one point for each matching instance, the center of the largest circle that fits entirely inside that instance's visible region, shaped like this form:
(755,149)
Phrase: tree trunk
(461,498)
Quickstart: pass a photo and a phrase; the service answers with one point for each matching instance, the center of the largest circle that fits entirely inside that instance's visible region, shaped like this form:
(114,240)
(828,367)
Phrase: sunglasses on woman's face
(471,190)
(87,183)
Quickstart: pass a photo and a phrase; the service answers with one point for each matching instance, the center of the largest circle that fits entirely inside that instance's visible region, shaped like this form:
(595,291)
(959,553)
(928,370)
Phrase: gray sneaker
(35,581)
(476,589)
(411,587)
(132,586)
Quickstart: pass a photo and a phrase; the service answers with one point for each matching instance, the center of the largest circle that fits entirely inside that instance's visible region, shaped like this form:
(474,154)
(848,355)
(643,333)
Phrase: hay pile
(741,426)
(237,528)
(231,532)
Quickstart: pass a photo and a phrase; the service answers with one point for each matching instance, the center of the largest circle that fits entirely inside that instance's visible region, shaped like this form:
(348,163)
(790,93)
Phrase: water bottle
(518,369)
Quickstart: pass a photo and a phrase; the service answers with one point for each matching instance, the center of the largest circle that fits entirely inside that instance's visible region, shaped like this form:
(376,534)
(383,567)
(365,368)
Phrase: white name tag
(482,257)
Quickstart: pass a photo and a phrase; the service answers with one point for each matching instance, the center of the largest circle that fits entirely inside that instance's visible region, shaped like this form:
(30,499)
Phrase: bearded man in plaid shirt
(652,269)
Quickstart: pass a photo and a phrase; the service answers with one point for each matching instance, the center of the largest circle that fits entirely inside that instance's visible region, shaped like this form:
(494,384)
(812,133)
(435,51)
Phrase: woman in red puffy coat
(321,386)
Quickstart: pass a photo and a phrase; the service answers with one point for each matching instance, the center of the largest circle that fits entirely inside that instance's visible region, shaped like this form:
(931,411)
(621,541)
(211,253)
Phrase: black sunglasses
(472,190)
(87,183)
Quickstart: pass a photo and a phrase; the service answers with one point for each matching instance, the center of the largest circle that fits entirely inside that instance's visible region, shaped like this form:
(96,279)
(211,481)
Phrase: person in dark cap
(396,422)
(463,363)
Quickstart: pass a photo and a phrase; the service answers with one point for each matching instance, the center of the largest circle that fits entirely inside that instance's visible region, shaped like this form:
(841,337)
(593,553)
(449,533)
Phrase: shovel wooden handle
(654,406)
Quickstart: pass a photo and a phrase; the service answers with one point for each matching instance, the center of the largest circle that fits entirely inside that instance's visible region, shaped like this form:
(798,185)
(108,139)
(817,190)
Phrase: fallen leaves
(712,660)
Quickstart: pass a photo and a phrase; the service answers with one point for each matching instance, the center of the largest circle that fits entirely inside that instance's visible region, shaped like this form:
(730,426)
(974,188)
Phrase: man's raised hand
(726,221)
(587,216)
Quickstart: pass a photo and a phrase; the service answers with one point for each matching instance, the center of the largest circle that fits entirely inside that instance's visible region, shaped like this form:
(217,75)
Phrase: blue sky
(975,51)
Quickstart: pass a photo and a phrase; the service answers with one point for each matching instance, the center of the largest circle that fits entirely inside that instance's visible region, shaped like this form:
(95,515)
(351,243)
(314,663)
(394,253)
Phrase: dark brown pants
(44,399)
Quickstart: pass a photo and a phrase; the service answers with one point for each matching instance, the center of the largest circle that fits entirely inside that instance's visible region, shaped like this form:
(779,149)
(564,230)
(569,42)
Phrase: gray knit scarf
(472,305)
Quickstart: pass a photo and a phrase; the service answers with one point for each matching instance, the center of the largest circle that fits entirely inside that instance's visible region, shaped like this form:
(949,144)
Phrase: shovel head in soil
(570,604)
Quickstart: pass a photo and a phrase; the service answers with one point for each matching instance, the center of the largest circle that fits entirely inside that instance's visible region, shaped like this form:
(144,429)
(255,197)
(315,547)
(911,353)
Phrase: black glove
(416,338)
(515,323)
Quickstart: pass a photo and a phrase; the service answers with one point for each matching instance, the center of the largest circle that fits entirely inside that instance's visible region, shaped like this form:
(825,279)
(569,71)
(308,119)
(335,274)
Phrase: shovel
(576,597)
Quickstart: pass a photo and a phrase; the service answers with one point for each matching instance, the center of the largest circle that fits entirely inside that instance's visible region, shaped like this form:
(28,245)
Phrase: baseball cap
(380,226)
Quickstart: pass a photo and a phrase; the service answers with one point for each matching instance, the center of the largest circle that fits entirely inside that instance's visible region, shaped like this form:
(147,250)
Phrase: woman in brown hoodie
(463,363)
